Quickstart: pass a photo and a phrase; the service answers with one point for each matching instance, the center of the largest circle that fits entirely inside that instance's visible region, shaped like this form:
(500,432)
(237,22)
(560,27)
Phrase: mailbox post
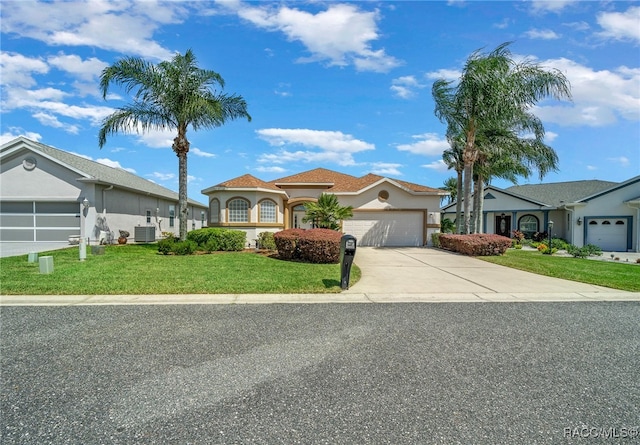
(347,252)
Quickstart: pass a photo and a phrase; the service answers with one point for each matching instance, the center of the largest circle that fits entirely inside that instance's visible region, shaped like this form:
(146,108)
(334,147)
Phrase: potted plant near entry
(122,239)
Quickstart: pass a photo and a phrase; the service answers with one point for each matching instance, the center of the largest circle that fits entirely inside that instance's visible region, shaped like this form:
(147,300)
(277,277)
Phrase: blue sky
(340,85)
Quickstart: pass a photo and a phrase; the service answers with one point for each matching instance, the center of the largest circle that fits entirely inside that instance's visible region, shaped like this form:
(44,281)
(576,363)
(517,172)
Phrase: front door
(298,213)
(503,225)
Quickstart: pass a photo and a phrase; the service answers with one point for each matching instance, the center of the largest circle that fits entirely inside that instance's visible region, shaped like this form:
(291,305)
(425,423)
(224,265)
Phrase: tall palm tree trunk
(459,195)
(468,175)
(478,200)
(181,148)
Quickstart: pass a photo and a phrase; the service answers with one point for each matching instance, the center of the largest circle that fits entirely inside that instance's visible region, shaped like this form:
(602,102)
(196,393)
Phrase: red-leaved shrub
(287,243)
(479,244)
(320,246)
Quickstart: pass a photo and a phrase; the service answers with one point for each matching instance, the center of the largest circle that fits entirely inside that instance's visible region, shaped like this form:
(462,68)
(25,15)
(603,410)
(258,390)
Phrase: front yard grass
(139,269)
(602,273)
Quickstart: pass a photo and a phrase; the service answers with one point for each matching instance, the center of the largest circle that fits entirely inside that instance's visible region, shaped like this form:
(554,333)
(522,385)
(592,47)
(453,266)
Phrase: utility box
(347,254)
(46,264)
(97,250)
(144,234)
(33,257)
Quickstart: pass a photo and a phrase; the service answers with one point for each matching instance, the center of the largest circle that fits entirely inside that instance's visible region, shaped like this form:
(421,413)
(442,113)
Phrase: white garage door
(610,234)
(378,229)
(39,221)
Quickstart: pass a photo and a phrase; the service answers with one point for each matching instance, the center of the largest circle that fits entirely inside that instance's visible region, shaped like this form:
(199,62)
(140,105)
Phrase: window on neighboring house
(528,225)
(148,216)
(267,211)
(214,210)
(172,216)
(238,210)
(202,219)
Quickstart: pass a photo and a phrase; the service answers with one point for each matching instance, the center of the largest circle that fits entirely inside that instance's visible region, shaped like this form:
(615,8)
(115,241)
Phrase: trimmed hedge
(479,244)
(171,244)
(287,243)
(313,245)
(214,239)
(266,241)
(320,246)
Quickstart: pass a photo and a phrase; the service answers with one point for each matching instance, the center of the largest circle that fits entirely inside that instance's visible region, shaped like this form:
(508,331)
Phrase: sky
(339,85)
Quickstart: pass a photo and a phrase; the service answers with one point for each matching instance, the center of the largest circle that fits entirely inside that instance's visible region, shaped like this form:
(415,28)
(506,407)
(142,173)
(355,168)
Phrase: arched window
(238,210)
(267,211)
(214,211)
(619,223)
(593,223)
(528,225)
(607,223)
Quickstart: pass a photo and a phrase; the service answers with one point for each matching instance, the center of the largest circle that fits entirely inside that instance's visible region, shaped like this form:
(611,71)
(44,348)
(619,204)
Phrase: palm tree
(452,157)
(492,92)
(450,186)
(327,213)
(171,95)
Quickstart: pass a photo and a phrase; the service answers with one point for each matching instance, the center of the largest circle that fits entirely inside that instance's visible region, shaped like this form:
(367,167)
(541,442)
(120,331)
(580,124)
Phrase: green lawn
(139,269)
(603,273)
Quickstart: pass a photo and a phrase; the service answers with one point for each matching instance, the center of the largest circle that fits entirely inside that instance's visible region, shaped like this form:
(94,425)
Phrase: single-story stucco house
(386,211)
(47,194)
(603,213)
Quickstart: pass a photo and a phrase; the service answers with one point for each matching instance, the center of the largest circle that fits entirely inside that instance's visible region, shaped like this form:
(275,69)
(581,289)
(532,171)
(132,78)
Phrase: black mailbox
(347,252)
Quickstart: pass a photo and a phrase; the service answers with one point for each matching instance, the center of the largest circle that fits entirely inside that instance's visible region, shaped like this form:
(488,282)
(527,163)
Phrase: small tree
(327,212)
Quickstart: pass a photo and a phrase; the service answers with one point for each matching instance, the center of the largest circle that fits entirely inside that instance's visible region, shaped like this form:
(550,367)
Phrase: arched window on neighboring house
(214,211)
(267,211)
(238,210)
(528,224)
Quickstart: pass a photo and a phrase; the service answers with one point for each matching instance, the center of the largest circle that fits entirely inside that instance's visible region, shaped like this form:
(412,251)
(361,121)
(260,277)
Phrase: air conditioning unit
(144,234)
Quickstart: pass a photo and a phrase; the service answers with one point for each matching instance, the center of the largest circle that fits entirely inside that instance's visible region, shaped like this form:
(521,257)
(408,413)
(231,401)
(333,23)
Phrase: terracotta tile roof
(342,183)
(247,181)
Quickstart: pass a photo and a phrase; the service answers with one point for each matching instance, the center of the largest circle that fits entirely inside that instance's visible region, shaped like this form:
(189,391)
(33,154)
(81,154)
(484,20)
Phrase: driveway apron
(415,270)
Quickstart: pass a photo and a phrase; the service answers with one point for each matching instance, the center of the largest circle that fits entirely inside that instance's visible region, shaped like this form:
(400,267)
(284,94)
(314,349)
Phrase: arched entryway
(296,212)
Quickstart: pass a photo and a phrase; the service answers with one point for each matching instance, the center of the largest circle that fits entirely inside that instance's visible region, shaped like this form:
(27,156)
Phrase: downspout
(104,199)
(571,229)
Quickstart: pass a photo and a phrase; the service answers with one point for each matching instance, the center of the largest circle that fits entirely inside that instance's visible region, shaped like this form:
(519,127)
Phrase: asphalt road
(487,373)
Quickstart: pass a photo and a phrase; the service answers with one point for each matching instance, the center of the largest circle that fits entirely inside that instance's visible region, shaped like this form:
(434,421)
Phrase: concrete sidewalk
(389,275)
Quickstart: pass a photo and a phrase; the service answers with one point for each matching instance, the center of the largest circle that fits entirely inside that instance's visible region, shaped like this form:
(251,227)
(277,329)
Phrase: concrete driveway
(426,271)
(8,248)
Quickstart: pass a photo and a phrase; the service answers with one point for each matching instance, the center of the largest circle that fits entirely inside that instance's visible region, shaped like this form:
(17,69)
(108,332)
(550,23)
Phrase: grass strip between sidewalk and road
(615,275)
(140,269)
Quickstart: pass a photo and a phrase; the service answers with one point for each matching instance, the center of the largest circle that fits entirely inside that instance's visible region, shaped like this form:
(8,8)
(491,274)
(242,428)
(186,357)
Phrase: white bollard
(83,249)
(46,264)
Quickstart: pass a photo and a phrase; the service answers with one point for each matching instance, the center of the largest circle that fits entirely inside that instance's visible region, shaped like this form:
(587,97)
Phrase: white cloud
(17,69)
(272,169)
(550,136)
(16,132)
(621,160)
(621,25)
(542,6)
(87,70)
(542,34)
(331,141)
(288,157)
(428,144)
(591,167)
(126,27)
(451,75)
(438,166)
(114,164)
(386,169)
(599,97)
(404,87)
(162,176)
(341,34)
(203,154)
(52,121)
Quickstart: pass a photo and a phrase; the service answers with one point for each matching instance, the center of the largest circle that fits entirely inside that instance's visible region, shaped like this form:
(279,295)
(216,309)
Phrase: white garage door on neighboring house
(39,221)
(610,234)
(386,229)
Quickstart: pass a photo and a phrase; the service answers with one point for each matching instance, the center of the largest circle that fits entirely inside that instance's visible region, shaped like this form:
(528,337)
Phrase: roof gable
(92,171)
(559,193)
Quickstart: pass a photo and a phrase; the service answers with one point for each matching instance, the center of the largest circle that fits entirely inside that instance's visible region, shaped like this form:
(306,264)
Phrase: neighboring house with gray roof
(43,189)
(386,211)
(602,213)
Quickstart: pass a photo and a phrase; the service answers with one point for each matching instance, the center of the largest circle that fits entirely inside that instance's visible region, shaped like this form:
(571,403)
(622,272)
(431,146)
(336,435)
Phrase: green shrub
(287,243)
(165,245)
(435,239)
(186,247)
(213,239)
(266,241)
(320,246)
(593,250)
(559,244)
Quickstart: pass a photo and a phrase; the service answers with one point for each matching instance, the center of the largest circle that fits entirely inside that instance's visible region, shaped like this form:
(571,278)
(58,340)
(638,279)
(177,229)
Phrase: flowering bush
(518,236)
(479,244)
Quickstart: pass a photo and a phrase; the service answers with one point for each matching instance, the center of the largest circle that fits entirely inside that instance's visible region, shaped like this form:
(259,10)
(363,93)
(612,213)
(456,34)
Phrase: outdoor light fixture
(579,221)
(85,203)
